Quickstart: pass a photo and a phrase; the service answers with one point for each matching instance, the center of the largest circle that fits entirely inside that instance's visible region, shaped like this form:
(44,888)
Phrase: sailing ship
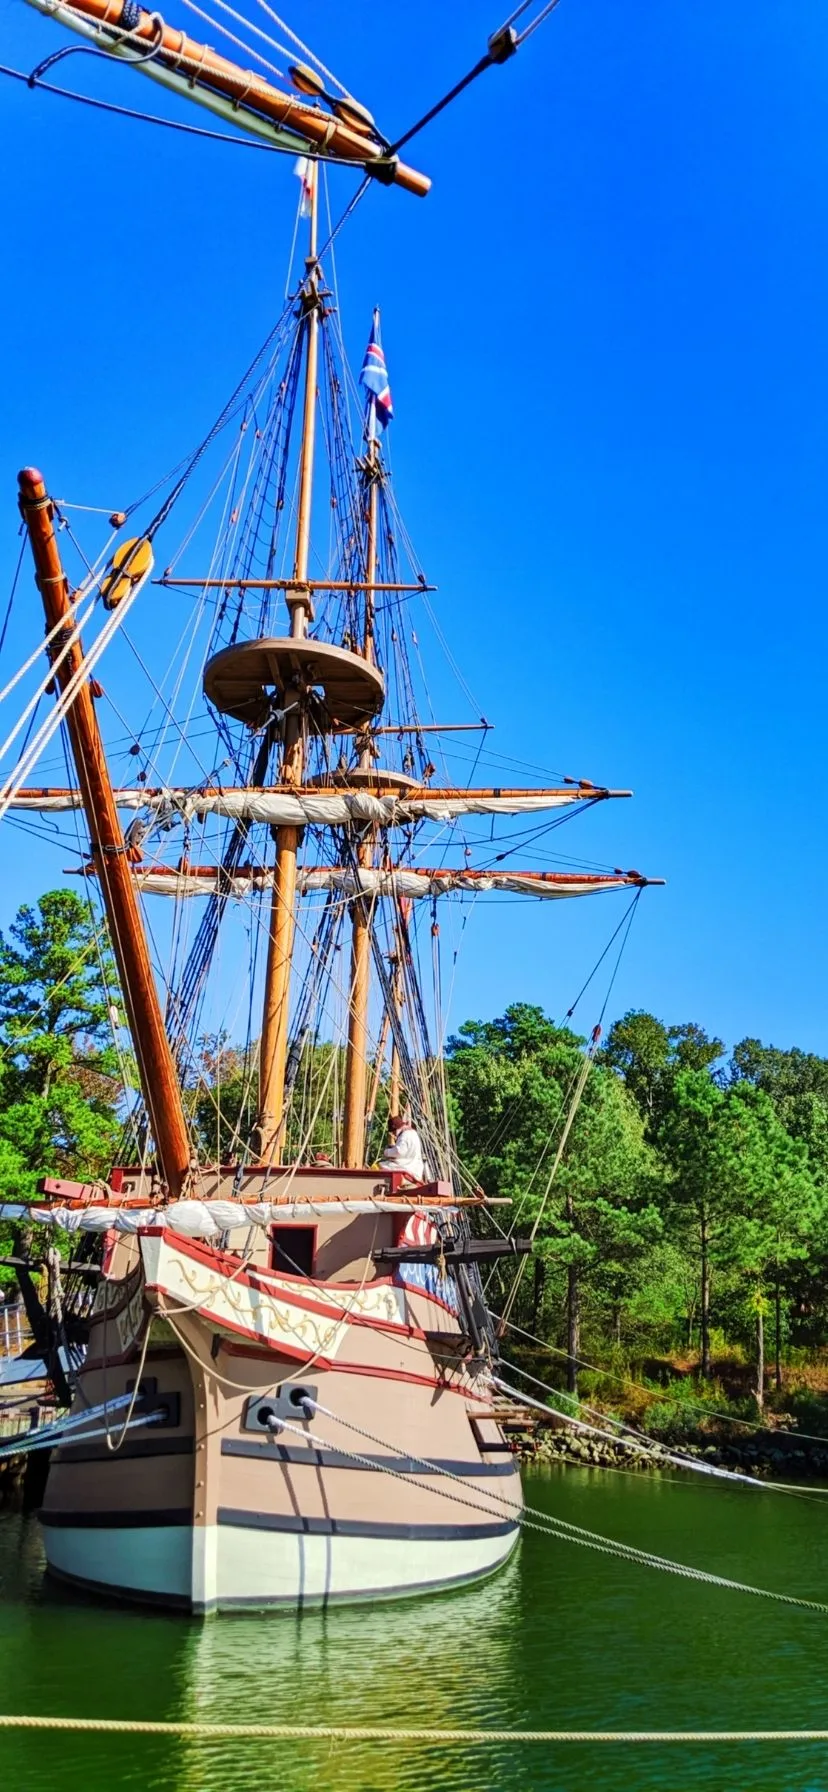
(289,1354)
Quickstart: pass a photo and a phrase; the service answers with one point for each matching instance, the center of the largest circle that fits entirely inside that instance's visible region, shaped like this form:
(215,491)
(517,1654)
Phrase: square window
(293,1249)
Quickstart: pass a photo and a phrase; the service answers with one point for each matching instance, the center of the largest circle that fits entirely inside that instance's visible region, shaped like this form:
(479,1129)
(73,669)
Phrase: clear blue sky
(606,334)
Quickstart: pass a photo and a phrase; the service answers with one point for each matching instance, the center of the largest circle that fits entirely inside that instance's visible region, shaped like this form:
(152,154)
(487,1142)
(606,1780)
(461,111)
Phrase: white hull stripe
(229,1566)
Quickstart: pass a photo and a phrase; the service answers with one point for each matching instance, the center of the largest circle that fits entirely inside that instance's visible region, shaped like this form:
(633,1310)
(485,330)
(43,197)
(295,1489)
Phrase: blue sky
(606,335)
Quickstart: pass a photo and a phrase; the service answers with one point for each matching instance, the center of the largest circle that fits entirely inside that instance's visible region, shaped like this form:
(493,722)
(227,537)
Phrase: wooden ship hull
(240,1494)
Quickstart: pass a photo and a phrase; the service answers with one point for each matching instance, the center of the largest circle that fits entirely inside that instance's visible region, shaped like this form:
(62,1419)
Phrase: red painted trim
(425,1293)
(336,1367)
(424,1381)
(259,1273)
(260,1279)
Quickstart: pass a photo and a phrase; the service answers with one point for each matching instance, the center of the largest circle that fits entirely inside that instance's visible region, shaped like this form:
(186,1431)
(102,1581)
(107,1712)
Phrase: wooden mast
(394,1088)
(356,1060)
(274,1042)
(159,1082)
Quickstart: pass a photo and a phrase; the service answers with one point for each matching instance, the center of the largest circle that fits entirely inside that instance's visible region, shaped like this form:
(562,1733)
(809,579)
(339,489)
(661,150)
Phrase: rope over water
(209,1732)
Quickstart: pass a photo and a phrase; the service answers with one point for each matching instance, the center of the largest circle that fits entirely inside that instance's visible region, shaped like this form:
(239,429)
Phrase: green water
(561,1638)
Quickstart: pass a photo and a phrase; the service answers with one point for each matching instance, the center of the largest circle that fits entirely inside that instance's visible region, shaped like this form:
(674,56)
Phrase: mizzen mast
(159,1082)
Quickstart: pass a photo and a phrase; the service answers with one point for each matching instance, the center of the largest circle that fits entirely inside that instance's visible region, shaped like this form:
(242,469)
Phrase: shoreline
(766,1457)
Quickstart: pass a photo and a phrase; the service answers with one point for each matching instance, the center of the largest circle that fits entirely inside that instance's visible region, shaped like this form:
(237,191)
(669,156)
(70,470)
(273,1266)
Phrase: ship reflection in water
(446,1662)
(561,1637)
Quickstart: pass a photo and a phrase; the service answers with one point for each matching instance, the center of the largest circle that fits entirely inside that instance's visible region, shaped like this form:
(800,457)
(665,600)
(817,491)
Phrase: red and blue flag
(374,375)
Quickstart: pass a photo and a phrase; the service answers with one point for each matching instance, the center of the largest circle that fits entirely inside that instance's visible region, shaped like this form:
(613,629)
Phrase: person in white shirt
(404,1152)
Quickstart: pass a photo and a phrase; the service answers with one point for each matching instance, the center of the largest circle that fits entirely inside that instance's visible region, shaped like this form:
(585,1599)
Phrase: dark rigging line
(12,593)
(627,916)
(621,949)
(502,45)
(167,124)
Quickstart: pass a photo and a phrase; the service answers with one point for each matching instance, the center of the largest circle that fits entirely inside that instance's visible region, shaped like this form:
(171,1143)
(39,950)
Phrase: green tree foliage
(60,1083)
(648,1055)
(512,1083)
(692,1194)
(797,1085)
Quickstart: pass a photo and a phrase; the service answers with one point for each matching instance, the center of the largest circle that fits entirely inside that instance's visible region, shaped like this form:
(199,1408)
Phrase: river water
(561,1638)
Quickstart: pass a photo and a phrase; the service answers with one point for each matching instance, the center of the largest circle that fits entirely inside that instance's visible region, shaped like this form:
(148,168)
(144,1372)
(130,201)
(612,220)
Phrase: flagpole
(372,475)
(356,1059)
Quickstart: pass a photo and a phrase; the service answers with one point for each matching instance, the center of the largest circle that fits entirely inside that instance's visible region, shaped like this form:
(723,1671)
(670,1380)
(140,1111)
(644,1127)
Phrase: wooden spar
(356,1056)
(431,793)
(432,880)
(275,1016)
(159,1083)
(203,71)
(231,584)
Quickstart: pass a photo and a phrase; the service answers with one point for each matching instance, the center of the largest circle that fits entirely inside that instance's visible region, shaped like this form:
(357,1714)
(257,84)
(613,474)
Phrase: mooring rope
(210,1732)
(531,1518)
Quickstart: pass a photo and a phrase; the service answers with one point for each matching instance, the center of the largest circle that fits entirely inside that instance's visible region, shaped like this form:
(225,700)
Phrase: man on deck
(404,1151)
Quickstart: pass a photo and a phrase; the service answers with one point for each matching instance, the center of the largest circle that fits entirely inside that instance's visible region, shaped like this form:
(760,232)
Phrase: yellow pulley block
(131,562)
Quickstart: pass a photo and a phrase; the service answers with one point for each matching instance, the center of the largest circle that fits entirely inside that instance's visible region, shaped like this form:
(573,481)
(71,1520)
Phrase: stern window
(293,1249)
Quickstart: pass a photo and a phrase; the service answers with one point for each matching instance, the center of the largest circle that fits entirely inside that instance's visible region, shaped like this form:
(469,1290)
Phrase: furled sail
(329,807)
(399,881)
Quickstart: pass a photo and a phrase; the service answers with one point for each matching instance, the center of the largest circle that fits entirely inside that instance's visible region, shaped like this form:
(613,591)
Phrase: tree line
(688,1210)
(691,1203)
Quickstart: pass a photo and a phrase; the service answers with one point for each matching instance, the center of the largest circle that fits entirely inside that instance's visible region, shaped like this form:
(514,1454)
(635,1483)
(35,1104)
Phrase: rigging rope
(588,1060)
(12,593)
(533,1518)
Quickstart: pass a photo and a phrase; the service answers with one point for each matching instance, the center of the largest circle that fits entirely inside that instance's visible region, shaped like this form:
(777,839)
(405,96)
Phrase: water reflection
(560,1637)
(444,1661)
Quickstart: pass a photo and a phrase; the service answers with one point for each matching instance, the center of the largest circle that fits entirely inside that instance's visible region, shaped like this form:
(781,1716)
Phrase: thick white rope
(389,1733)
(74,625)
(120,1726)
(216,25)
(28,759)
(299,44)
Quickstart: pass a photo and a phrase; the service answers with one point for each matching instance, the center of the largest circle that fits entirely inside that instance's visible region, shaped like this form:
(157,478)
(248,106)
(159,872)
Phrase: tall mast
(273,1050)
(159,1083)
(394,1088)
(356,1060)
